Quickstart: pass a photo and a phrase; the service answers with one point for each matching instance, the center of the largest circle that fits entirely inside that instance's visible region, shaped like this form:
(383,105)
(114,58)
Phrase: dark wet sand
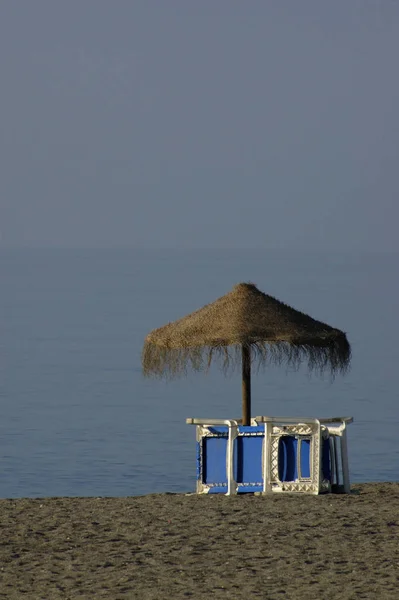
(188,546)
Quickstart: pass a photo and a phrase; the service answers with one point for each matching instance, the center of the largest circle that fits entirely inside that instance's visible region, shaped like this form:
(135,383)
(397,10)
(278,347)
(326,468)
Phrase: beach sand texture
(188,546)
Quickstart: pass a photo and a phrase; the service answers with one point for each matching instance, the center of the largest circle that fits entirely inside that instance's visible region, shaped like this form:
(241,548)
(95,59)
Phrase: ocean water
(78,418)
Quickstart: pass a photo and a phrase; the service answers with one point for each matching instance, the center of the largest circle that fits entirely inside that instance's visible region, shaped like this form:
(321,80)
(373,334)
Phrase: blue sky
(218,123)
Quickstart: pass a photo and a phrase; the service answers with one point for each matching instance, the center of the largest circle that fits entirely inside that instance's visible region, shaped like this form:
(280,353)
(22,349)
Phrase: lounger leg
(345,462)
(267,463)
(337,448)
(231,484)
(332,459)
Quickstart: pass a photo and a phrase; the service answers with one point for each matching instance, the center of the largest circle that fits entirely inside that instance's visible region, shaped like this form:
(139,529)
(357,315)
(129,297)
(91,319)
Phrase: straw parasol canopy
(244,327)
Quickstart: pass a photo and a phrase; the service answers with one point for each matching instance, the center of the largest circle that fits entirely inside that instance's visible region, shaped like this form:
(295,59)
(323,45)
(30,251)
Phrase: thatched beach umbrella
(244,326)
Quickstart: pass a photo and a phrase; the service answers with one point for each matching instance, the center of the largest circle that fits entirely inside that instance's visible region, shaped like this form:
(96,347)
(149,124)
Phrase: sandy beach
(189,546)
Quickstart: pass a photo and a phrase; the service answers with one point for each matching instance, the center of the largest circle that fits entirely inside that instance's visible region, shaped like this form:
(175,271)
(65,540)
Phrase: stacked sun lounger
(272,455)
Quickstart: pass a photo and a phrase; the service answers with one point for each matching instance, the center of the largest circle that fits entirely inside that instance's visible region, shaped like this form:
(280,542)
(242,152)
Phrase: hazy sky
(200,123)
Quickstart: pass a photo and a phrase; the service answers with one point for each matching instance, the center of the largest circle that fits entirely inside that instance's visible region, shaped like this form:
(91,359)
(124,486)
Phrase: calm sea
(78,418)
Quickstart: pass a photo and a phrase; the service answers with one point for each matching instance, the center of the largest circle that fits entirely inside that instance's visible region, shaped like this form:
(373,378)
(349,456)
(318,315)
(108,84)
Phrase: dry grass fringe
(170,363)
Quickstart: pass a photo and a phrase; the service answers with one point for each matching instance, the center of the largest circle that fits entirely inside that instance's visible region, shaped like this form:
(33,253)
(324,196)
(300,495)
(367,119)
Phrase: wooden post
(246,384)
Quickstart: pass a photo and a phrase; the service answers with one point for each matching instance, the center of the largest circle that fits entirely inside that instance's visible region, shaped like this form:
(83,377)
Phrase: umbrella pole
(246,384)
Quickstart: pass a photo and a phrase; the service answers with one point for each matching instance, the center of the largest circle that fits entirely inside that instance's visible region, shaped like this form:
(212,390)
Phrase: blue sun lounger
(273,454)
